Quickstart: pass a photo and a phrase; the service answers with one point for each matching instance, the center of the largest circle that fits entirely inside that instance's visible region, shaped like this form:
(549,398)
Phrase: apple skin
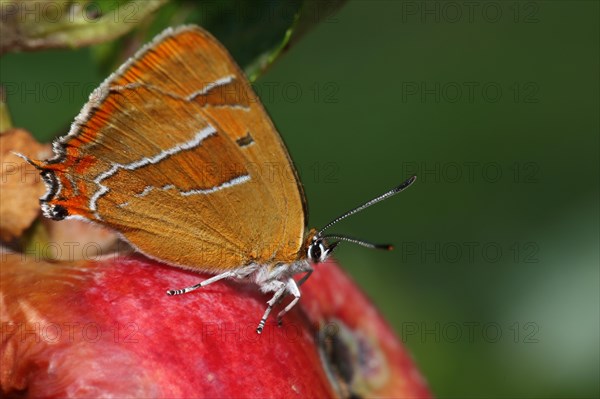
(106,328)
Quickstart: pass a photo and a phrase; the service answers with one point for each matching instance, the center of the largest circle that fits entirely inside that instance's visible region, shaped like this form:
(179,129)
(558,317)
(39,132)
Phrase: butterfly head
(318,249)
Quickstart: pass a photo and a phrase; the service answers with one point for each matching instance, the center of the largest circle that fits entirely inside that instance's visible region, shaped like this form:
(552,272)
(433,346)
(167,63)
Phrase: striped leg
(240,273)
(202,284)
(270,305)
(299,283)
(292,288)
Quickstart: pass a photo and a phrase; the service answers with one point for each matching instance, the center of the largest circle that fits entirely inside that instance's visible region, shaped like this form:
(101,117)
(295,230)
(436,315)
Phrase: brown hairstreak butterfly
(175,153)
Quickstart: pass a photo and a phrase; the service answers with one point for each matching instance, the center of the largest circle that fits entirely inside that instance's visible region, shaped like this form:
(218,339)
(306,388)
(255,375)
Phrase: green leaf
(43,24)
(255,32)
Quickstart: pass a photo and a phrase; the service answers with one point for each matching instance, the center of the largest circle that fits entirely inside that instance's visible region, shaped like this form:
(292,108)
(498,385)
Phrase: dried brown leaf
(20,183)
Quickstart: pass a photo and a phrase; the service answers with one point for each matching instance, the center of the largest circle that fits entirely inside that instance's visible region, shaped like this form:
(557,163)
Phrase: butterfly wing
(175,152)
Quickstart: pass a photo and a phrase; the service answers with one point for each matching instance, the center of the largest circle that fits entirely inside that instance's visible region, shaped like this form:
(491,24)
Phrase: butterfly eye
(315,251)
(318,252)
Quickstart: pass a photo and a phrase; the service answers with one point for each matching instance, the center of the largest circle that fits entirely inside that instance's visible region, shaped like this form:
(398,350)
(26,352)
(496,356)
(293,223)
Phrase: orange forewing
(175,152)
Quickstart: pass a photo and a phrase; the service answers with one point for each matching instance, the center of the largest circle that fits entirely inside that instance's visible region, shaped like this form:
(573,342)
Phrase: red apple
(106,328)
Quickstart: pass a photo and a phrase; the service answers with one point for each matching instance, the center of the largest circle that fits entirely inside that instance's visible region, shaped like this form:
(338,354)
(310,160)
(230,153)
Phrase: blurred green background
(494,284)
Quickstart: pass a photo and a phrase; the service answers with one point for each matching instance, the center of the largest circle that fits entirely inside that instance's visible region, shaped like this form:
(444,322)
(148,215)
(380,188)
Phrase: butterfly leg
(292,288)
(305,277)
(299,283)
(202,284)
(280,291)
(296,298)
(240,273)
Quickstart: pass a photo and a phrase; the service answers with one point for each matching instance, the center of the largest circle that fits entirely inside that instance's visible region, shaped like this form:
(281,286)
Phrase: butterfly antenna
(366,244)
(367,204)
